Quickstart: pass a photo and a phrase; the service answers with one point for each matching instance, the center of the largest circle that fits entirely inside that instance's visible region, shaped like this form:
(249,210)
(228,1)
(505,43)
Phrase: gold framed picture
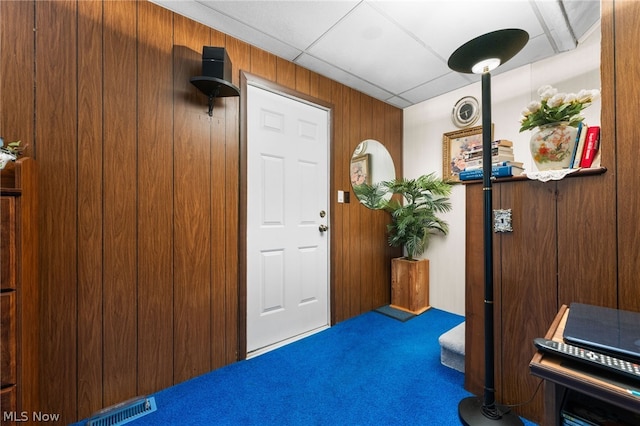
(360,170)
(454,147)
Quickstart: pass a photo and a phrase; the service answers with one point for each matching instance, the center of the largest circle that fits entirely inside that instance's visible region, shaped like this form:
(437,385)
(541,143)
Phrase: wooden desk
(560,374)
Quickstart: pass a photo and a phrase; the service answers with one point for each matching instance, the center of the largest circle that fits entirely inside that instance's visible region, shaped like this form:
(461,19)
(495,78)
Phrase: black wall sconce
(216,75)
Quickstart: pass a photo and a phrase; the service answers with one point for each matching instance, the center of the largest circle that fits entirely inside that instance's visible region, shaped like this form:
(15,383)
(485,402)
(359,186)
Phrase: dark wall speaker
(216,63)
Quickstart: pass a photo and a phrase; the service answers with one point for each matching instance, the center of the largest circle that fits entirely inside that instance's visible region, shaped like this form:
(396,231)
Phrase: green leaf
(415,220)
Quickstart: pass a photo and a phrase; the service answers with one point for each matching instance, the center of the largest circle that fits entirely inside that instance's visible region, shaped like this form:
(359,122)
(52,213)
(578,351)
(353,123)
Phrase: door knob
(323,228)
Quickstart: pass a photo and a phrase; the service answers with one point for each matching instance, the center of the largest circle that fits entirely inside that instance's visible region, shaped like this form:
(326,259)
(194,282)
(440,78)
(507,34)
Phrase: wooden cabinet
(8,243)
(555,255)
(18,289)
(7,338)
(563,379)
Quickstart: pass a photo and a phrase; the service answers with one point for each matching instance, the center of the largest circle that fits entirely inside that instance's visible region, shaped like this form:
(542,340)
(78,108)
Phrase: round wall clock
(465,112)
(361,148)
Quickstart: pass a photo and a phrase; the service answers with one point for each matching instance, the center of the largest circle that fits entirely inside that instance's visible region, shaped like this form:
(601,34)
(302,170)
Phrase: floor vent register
(123,412)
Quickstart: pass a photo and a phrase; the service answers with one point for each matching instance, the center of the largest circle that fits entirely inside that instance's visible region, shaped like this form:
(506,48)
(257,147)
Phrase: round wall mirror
(371,164)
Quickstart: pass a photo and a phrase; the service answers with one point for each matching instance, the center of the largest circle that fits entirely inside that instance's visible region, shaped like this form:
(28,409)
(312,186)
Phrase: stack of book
(586,147)
(502,160)
(501,151)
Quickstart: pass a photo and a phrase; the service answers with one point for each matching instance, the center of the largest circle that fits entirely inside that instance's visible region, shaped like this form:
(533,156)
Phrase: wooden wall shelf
(580,173)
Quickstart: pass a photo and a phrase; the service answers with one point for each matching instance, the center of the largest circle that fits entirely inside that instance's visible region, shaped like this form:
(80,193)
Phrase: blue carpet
(369,370)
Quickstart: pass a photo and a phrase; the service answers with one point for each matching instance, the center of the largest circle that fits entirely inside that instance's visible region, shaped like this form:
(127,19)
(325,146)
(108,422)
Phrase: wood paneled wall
(620,54)
(139,192)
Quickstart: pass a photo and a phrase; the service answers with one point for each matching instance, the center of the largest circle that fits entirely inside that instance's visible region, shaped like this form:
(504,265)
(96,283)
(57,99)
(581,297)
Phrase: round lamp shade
(488,51)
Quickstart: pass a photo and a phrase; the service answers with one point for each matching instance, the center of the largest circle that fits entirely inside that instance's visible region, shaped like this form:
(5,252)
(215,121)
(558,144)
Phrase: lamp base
(471,413)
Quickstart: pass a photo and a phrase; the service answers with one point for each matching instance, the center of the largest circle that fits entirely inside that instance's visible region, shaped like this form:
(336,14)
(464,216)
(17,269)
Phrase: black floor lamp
(480,56)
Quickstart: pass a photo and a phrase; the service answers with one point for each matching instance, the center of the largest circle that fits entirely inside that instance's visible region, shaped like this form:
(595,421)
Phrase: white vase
(552,146)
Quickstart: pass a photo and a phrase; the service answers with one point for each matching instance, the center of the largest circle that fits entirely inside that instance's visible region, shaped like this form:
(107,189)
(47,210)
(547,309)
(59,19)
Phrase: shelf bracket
(214,88)
(212,100)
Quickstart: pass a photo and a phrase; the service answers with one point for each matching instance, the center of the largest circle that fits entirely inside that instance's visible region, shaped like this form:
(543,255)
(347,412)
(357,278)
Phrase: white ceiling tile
(537,48)
(201,12)
(446,25)
(392,50)
(369,45)
(581,13)
(559,33)
(439,86)
(298,23)
(342,76)
(398,102)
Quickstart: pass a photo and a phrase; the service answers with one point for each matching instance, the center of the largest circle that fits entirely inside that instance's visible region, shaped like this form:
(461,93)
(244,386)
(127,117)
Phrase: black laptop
(610,331)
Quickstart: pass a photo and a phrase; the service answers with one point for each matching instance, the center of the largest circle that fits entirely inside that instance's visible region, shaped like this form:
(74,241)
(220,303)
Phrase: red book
(591,146)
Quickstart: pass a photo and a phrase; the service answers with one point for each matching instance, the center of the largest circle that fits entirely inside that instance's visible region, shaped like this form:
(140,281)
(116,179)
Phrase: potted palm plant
(415,218)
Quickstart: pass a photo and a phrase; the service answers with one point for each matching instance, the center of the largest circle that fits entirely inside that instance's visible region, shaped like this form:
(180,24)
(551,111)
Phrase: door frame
(254,80)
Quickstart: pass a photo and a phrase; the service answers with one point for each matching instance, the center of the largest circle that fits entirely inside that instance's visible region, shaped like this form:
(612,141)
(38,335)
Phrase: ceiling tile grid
(395,51)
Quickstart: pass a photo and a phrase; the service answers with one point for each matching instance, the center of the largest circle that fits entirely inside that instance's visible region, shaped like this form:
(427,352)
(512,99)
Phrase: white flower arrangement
(555,107)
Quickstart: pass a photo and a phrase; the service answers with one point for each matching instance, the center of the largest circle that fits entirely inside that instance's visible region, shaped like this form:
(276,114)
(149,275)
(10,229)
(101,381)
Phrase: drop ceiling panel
(201,11)
(342,76)
(437,87)
(581,14)
(395,51)
(445,26)
(368,44)
(298,23)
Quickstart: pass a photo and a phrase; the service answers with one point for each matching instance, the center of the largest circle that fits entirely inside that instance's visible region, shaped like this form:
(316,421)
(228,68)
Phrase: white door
(287,204)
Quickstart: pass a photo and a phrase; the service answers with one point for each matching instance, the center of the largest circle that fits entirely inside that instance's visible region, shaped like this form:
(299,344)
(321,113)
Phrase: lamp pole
(480,56)
(489,356)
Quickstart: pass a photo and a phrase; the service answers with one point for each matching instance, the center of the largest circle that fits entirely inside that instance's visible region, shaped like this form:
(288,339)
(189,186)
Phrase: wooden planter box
(410,285)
